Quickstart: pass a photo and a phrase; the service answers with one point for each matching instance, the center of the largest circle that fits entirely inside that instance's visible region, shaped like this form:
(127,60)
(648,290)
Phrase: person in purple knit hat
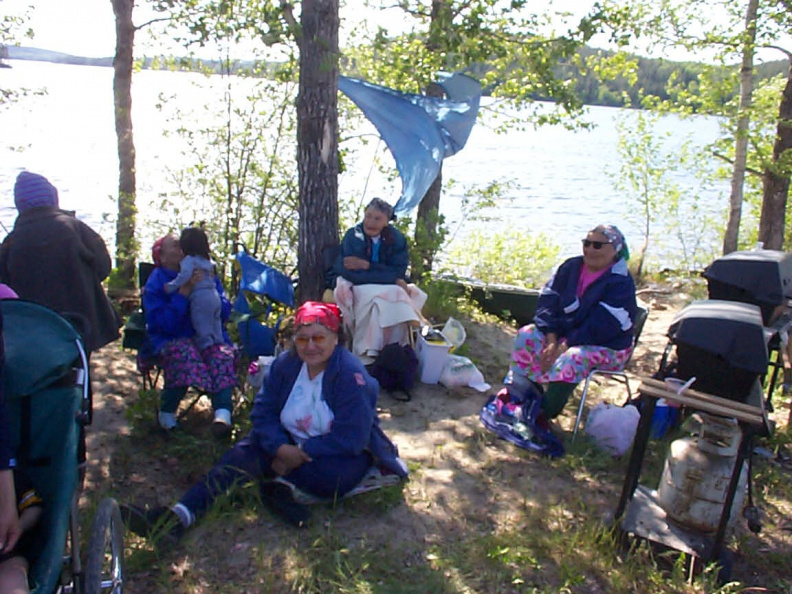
(54,259)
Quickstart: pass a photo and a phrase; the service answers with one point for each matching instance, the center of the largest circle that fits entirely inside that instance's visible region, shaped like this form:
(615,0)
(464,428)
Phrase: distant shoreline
(42,55)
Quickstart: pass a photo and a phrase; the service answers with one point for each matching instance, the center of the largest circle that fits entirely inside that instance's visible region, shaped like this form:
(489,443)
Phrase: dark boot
(278,498)
(555,398)
(159,524)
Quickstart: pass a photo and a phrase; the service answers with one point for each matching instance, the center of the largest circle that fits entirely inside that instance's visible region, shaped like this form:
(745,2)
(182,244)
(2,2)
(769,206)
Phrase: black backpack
(396,369)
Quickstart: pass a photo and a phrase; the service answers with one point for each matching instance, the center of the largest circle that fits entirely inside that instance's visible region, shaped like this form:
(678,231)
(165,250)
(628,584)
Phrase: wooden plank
(660,385)
(703,401)
(687,399)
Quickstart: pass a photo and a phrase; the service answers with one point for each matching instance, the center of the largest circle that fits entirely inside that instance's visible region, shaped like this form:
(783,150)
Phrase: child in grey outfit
(205,304)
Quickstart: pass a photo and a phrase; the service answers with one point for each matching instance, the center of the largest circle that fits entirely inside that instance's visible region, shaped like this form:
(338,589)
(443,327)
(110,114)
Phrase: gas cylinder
(697,473)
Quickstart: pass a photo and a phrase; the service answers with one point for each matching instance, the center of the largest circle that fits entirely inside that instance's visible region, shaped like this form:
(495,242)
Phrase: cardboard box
(431,358)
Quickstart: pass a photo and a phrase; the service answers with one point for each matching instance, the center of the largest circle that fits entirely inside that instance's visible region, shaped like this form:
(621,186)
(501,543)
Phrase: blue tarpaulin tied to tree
(420,131)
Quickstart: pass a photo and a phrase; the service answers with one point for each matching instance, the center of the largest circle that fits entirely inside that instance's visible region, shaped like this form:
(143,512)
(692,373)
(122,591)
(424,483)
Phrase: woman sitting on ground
(314,424)
(584,320)
(370,271)
(170,330)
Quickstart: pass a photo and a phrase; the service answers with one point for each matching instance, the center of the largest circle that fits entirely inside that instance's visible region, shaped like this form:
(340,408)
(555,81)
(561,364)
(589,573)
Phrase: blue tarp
(420,131)
(259,278)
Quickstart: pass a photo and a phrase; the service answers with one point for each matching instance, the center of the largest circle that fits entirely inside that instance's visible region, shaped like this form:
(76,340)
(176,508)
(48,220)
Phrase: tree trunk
(317,142)
(126,247)
(731,237)
(776,178)
(426,220)
(426,228)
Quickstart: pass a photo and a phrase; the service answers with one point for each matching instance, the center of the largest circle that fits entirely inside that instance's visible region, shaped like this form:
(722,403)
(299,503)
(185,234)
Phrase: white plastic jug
(697,473)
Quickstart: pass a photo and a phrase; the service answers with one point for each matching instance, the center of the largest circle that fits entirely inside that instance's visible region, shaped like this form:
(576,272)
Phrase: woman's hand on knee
(550,354)
(287,458)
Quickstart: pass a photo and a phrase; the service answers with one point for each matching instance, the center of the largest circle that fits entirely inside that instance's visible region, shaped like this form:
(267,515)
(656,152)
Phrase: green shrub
(509,257)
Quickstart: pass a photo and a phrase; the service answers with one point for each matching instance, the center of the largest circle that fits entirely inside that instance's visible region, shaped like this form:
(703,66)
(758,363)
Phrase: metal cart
(638,512)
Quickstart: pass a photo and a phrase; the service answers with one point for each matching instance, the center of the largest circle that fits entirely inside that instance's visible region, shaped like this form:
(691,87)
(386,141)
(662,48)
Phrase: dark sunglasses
(597,245)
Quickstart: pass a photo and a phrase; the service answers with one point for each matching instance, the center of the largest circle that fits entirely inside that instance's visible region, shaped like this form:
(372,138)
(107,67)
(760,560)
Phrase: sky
(59,26)
(89,30)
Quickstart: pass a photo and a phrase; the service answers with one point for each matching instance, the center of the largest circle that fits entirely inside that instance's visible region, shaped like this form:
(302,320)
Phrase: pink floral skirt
(211,370)
(571,367)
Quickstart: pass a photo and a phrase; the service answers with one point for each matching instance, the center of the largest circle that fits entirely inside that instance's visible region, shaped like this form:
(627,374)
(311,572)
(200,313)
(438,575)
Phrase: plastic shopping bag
(613,427)
(461,371)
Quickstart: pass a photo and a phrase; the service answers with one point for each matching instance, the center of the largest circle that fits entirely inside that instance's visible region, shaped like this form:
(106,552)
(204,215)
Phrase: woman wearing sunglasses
(314,424)
(584,319)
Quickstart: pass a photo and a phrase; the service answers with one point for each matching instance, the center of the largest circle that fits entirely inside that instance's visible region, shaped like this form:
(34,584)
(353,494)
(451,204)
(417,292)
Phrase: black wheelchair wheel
(105,559)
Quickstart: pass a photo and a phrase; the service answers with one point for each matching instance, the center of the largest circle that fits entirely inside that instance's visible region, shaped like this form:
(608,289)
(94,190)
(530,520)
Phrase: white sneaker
(221,426)
(167,420)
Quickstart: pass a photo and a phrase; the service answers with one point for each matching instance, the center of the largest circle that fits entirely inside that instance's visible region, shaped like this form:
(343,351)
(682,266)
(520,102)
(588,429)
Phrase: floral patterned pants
(571,367)
(210,370)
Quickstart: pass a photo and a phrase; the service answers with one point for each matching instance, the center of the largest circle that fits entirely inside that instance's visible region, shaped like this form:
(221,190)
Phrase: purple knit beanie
(32,190)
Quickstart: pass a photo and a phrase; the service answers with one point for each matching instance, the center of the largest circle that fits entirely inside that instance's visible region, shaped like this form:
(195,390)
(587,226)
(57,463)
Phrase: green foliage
(12,28)
(445,300)
(116,280)
(509,257)
(512,49)
(200,22)
(238,178)
(664,210)
(424,245)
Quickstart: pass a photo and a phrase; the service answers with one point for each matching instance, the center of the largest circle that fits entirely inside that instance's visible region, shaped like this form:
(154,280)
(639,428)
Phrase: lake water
(560,179)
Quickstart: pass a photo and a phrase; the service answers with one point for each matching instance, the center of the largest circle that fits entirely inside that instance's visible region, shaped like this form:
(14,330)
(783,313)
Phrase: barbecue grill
(720,343)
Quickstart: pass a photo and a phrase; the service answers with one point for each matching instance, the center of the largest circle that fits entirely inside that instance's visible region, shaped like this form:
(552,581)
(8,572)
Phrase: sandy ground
(462,469)
(434,415)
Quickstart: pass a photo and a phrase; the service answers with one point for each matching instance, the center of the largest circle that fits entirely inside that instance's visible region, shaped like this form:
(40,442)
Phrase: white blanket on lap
(376,315)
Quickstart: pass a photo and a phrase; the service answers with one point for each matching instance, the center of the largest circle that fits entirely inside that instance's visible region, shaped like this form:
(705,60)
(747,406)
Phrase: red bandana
(156,250)
(316,312)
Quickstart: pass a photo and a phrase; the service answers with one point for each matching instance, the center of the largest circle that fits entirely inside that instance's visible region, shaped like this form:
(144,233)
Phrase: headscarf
(317,312)
(616,238)
(156,250)
(32,190)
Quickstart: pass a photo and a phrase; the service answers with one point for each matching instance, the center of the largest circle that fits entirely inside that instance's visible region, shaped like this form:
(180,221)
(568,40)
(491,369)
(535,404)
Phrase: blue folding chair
(258,331)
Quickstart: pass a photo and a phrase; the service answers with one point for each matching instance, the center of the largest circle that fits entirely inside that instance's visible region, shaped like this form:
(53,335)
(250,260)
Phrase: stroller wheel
(105,560)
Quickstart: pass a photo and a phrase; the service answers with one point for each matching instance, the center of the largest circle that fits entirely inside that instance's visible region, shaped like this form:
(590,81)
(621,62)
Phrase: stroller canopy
(765,275)
(29,367)
(728,329)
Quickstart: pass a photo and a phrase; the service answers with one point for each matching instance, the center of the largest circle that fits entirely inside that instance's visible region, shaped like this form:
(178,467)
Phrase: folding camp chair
(258,322)
(620,376)
(135,337)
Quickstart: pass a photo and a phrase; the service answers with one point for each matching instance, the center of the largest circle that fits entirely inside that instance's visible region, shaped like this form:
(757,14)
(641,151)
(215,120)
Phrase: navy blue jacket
(168,314)
(393,257)
(603,316)
(349,391)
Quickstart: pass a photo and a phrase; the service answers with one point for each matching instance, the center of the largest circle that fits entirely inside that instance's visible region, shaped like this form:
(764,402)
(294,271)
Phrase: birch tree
(126,246)
(731,236)
(722,32)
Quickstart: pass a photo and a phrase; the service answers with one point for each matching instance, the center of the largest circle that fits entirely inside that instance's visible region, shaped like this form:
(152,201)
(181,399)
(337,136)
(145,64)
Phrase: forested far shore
(653,74)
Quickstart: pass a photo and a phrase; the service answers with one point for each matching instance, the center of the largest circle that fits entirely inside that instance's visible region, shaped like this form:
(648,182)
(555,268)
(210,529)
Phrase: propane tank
(697,474)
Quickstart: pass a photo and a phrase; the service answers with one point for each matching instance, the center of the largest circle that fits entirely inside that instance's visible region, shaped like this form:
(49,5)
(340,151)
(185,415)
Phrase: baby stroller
(45,380)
